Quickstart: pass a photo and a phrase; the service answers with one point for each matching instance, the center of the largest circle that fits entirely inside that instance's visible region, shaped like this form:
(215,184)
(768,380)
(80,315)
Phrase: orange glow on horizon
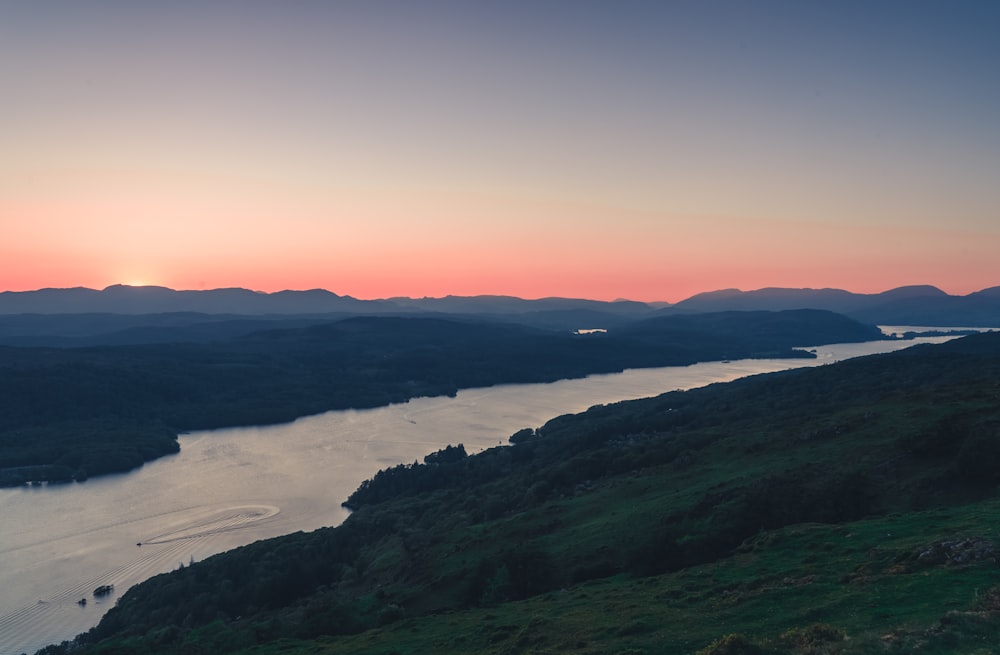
(589,264)
(373,155)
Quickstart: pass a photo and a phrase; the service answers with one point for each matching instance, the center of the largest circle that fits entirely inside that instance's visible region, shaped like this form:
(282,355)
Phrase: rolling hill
(850,508)
(72,413)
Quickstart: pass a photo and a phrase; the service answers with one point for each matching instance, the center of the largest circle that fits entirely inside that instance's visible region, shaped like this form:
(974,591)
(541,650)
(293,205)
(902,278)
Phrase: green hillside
(849,508)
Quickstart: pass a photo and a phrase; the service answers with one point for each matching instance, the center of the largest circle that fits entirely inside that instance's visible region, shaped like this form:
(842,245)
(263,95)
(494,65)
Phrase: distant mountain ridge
(908,305)
(124,299)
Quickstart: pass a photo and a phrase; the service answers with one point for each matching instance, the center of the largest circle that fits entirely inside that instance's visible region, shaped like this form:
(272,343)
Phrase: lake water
(231,487)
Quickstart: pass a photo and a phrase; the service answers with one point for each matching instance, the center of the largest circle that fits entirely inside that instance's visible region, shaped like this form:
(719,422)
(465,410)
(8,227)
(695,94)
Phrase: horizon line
(485,295)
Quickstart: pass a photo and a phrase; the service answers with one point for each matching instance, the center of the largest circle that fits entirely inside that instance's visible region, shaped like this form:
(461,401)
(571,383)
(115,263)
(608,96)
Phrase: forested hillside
(70,413)
(849,508)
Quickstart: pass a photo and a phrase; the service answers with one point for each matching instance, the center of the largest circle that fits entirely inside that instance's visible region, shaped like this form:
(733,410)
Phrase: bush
(811,640)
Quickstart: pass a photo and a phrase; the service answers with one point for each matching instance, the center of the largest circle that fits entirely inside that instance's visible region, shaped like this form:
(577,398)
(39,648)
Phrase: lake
(227,488)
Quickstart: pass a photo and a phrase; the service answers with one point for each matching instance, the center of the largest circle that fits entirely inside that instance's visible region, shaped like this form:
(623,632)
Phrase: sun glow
(136,281)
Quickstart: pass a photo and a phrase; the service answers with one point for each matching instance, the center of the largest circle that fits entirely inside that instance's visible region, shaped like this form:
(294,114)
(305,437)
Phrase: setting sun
(649,152)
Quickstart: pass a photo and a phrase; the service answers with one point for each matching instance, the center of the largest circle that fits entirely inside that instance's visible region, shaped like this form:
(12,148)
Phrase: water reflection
(231,487)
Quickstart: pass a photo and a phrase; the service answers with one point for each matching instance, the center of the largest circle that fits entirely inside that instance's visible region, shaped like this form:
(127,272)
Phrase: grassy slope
(761,507)
(846,576)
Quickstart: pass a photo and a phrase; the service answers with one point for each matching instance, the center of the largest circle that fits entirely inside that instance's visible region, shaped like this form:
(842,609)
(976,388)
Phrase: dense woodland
(71,413)
(849,508)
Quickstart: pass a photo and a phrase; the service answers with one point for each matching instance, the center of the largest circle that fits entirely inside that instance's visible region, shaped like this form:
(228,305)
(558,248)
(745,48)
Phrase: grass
(862,578)
(744,522)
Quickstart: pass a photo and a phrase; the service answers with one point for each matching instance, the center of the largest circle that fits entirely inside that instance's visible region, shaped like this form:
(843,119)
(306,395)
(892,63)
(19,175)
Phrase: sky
(635,149)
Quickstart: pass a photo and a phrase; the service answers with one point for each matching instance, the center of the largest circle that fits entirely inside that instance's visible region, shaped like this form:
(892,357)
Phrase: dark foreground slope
(850,508)
(66,414)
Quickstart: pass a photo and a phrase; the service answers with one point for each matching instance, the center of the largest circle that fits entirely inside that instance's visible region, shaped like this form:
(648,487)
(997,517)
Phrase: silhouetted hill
(910,305)
(769,299)
(992,292)
(123,299)
(761,327)
(79,330)
(847,509)
(121,314)
(508,305)
(77,412)
(79,316)
(971,310)
(912,291)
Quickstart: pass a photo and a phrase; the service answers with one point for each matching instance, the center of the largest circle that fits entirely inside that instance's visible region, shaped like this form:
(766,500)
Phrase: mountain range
(909,305)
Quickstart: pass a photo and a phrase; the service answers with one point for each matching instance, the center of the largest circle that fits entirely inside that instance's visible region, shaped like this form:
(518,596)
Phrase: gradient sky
(614,149)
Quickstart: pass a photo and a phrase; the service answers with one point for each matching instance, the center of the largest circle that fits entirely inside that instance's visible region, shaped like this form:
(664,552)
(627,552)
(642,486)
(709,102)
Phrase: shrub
(811,640)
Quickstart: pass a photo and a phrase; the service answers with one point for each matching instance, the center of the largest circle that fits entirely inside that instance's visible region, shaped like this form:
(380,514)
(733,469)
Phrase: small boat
(103,590)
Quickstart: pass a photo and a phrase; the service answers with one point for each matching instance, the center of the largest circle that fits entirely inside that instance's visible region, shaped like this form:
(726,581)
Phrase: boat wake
(227,520)
(60,613)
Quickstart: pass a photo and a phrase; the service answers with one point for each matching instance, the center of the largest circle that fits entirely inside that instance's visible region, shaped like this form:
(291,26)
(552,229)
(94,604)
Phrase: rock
(958,551)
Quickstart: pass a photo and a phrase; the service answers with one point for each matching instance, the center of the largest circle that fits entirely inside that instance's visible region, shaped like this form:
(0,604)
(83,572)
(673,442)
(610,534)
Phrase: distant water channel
(227,488)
